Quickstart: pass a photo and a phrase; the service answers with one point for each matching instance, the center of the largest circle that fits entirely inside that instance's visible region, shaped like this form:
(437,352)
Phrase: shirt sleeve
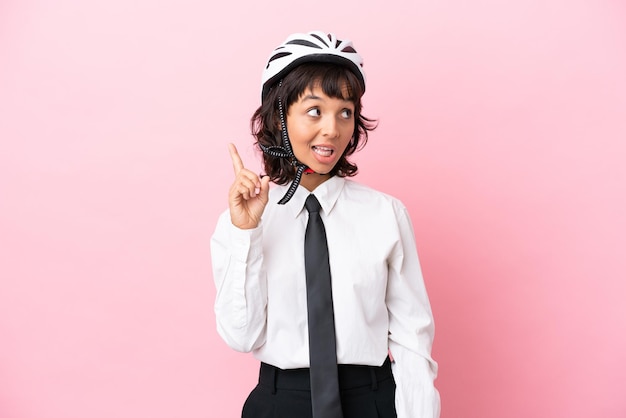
(241,285)
(411,329)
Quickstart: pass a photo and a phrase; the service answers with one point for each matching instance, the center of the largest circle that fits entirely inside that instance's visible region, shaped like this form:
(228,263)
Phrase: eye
(314,111)
(346,113)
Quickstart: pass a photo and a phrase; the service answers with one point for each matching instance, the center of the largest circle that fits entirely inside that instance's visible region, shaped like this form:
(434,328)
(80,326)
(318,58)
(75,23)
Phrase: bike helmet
(314,46)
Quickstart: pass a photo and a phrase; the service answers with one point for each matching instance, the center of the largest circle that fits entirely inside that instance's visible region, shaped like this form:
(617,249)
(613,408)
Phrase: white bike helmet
(315,46)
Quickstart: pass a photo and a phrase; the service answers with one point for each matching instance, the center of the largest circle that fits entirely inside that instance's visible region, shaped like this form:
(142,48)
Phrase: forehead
(320,89)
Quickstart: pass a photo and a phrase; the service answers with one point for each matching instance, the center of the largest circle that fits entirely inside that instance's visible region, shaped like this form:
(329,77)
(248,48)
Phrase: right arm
(237,257)
(241,296)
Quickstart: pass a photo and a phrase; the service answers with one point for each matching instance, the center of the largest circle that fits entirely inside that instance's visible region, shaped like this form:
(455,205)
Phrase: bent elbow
(242,339)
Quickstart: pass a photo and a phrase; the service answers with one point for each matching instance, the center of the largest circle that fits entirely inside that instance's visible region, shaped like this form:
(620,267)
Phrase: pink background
(502,128)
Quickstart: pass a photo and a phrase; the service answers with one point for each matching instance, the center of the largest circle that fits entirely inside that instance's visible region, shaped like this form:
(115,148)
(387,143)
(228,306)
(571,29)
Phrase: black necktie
(322,345)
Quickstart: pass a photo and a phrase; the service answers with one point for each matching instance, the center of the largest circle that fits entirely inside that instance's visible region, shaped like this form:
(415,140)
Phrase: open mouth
(323,151)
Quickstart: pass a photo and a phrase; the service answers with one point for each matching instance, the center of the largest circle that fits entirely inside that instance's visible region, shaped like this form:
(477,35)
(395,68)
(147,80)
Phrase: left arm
(411,328)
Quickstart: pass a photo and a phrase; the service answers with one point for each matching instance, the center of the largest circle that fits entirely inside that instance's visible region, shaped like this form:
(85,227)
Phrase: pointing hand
(248,195)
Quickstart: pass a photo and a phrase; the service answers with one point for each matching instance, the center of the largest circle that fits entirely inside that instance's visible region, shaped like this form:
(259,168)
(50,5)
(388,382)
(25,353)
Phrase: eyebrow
(311,97)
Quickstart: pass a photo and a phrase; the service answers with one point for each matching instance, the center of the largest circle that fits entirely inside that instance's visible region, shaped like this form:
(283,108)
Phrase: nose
(330,127)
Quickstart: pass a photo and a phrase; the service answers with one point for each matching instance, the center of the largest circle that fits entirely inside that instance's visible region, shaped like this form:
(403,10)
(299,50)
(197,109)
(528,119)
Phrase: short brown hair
(335,81)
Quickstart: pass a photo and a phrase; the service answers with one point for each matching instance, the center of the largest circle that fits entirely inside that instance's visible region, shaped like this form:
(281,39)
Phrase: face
(320,128)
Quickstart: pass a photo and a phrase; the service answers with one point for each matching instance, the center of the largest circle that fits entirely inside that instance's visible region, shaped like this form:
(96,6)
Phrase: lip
(324,153)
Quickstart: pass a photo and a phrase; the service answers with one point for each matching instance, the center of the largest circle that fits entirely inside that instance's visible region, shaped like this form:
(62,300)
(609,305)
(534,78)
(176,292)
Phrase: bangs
(339,83)
(335,81)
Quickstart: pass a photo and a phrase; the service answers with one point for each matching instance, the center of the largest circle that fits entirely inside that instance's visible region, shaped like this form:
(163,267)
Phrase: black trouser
(366,392)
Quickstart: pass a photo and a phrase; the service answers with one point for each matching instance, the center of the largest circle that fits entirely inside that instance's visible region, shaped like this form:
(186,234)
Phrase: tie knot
(311,204)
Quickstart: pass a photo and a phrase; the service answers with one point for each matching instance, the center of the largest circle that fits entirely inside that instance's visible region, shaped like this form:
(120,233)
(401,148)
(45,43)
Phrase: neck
(311,181)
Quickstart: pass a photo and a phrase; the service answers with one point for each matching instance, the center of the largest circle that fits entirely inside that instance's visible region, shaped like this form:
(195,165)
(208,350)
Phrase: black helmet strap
(285,151)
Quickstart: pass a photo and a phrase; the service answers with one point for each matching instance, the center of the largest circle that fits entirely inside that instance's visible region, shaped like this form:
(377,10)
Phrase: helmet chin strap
(286,152)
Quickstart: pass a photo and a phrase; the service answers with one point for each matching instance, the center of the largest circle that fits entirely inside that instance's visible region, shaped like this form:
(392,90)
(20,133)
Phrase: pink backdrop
(502,127)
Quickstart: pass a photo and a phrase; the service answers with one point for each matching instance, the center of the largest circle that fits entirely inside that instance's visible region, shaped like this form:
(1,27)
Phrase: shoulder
(370,203)
(359,192)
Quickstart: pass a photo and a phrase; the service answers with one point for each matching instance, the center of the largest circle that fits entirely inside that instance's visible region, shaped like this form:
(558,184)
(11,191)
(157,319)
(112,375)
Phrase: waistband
(350,376)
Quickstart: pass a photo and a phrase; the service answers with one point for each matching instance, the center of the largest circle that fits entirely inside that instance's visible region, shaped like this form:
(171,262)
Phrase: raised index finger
(234,155)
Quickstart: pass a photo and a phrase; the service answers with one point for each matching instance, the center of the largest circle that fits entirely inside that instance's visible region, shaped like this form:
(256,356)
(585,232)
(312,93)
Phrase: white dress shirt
(380,300)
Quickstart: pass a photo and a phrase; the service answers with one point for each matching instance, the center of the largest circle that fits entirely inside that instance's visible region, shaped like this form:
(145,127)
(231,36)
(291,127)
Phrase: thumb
(265,188)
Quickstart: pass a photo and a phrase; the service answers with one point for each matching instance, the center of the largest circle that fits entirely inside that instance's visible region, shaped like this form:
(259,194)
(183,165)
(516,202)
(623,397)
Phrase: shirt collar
(326,193)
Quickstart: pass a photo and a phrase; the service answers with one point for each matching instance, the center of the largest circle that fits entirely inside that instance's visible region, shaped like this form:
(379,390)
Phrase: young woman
(307,126)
